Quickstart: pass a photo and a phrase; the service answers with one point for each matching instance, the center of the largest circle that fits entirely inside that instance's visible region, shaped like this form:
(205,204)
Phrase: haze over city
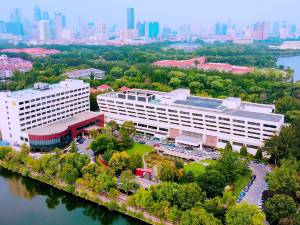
(168,12)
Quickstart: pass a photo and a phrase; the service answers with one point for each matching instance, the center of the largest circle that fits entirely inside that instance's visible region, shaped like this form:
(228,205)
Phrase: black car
(253,177)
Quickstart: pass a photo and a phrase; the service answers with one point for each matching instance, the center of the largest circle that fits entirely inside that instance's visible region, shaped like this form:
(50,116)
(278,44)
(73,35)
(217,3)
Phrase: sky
(167,12)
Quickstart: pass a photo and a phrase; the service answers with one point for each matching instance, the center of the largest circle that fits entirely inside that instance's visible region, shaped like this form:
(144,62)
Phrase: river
(24,201)
(293,62)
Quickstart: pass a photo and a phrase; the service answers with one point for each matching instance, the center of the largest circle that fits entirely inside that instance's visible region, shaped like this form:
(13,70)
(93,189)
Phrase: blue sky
(170,12)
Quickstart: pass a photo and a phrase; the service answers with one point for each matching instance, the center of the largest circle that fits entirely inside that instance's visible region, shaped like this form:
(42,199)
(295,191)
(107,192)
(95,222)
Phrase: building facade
(130,18)
(194,121)
(22,112)
(86,73)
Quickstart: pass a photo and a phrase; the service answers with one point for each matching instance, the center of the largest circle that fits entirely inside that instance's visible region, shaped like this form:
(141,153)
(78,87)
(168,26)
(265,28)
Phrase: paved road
(258,185)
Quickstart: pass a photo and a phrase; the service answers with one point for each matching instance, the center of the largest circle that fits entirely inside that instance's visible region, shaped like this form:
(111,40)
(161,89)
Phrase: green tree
(175,82)
(73,148)
(279,207)
(128,128)
(285,178)
(213,183)
(243,151)
(198,216)
(127,180)
(69,173)
(102,143)
(244,214)
(167,171)
(195,87)
(4,151)
(119,161)
(258,154)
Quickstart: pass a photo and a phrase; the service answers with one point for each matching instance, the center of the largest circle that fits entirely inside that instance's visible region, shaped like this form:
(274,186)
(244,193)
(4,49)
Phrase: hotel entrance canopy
(187,140)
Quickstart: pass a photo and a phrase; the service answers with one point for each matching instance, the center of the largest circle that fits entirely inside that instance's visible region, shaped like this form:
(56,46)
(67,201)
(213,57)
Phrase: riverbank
(117,203)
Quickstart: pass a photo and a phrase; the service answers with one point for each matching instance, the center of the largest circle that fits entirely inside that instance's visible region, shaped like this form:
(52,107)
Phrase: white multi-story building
(191,120)
(25,110)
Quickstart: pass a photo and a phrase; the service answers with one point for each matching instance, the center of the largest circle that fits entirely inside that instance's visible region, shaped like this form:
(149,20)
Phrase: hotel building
(194,121)
(47,116)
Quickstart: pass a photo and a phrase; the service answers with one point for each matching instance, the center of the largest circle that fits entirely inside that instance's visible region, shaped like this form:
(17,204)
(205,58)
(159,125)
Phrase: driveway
(252,196)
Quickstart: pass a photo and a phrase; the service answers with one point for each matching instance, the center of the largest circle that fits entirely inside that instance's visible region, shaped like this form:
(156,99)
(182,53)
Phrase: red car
(156,145)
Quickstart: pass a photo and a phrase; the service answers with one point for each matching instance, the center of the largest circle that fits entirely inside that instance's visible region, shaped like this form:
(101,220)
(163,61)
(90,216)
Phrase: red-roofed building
(124,88)
(200,63)
(36,52)
(9,65)
(104,87)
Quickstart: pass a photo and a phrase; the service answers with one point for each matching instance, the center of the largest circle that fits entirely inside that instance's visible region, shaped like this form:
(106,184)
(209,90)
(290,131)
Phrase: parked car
(142,142)
(253,177)
(156,145)
(256,161)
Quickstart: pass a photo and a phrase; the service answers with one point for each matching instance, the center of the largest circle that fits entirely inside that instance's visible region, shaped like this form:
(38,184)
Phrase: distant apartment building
(130,18)
(200,63)
(193,121)
(44,30)
(153,30)
(47,116)
(9,65)
(86,73)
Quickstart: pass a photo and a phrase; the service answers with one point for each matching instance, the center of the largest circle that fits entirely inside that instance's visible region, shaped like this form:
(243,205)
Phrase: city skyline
(167,14)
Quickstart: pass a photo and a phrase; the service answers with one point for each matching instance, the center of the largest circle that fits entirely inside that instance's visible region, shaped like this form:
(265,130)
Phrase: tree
(104,182)
(119,162)
(231,166)
(113,125)
(285,178)
(228,147)
(213,183)
(195,87)
(258,154)
(279,207)
(243,151)
(167,171)
(116,72)
(128,128)
(286,104)
(198,216)
(4,151)
(102,143)
(73,148)
(244,214)
(175,82)
(127,180)
(69,173)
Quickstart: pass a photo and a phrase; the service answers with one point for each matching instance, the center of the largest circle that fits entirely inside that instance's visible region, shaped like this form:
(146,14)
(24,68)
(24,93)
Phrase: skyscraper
(37,13)
(141,28)
(218,28)
(15,16)
(44,30)
(153,30)
(45,15)
(59,24)
(2,27)
(130,18)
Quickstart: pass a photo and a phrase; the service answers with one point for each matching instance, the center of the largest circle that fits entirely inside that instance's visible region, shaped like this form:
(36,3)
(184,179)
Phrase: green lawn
(139,148)
(240,183)
(196,168)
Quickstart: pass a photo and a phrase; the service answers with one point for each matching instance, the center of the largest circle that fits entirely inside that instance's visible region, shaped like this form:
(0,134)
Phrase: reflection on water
(61,203)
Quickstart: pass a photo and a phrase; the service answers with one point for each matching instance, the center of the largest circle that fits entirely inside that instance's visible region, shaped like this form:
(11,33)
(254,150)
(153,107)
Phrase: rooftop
(62,125)
(83,71)
(201,102)
(31,91)
(255,115)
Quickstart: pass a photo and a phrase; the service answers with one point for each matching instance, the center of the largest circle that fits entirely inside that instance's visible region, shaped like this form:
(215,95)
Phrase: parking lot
(187,153)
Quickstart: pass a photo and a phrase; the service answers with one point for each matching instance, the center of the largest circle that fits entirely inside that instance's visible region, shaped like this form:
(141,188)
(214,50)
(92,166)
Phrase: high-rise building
(14,28)
(260,30)
(153,30)
(192,120)
(29,116)
(218,28)
(224,29)
(37,13)
(141,28)
(44,30)
(59,24)
(276,28)
(15,16)
(46,15)
(130,18)
(2,27)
